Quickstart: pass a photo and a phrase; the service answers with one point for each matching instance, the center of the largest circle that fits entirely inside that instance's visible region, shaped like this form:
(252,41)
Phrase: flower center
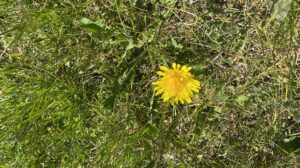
(177,81)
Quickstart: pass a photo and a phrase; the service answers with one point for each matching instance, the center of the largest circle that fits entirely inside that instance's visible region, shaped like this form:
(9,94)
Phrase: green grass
(75,83)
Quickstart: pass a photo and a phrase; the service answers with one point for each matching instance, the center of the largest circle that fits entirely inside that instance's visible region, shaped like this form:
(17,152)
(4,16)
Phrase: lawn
(76,83)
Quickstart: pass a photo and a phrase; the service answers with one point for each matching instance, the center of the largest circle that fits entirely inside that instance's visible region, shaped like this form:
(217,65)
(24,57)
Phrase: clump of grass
(75,83)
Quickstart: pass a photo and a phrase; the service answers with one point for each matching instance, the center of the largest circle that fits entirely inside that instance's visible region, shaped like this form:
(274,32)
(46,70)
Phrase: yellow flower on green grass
(176,84)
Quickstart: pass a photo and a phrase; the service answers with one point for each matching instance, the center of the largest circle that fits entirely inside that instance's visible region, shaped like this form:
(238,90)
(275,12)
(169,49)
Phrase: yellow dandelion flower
(176,85)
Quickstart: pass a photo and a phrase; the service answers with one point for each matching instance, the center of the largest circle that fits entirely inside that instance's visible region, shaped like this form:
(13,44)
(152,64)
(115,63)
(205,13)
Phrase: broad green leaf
(130,45)
(281,9)
(175,44)
(91,27)
(218,109)
(297,116)
(84,21)
(241,100)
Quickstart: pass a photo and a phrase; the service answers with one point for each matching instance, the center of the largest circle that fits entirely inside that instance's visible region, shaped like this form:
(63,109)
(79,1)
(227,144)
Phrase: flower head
(176,85)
